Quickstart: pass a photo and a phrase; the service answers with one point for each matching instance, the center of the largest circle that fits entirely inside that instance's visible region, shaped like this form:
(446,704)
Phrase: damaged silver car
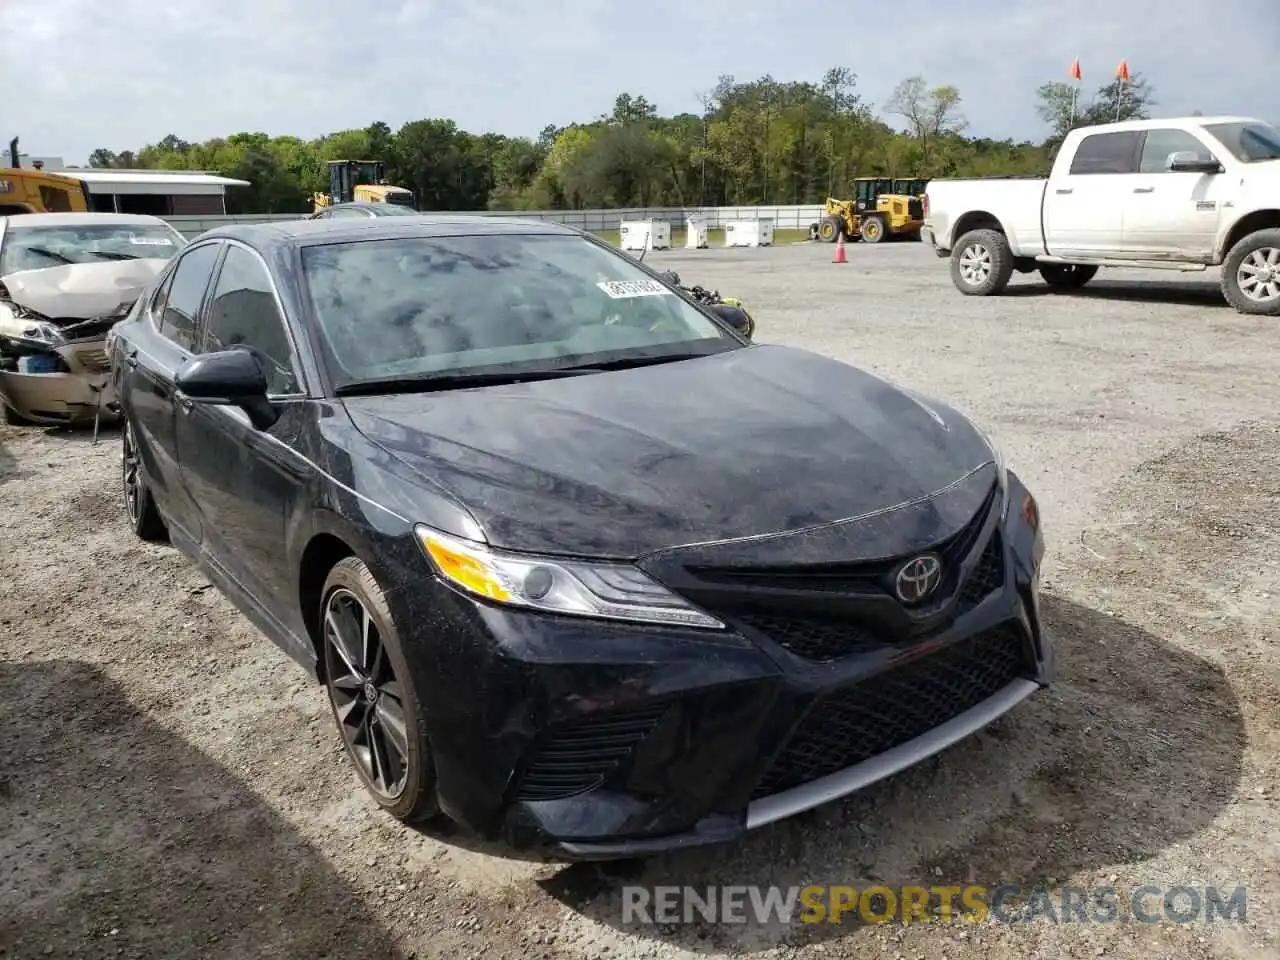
(65,280)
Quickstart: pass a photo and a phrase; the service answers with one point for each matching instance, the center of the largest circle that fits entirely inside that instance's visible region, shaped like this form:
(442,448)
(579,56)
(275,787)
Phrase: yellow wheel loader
(876,212)
(363,181)
(31,190)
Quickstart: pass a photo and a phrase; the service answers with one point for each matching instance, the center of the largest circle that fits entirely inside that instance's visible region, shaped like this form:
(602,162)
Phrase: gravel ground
(170,785)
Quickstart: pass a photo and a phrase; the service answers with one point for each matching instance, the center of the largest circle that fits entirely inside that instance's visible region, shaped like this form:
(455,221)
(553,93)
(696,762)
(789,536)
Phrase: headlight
(612,591)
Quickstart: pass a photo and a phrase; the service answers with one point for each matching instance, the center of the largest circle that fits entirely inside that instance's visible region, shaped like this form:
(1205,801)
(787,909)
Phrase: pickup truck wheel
(1251,274)
(981,263)
(1067,276)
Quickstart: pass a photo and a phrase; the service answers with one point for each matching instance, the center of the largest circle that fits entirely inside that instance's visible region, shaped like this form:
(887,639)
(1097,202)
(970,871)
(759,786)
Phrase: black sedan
(580,566)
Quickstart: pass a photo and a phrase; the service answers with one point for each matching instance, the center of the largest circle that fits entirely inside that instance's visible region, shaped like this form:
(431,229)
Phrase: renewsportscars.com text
(1008,903)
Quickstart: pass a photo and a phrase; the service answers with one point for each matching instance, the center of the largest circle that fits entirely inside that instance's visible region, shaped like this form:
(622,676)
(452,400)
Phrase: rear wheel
(981,263)
(1067,276)
(1251,274)
(139,505)
(829,229)
(872,229)
(371,691)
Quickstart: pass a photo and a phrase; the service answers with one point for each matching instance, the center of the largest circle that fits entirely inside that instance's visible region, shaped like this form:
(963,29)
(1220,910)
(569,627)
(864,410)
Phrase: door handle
(184,401)
(131,358)
(1063,190)
(1144,189)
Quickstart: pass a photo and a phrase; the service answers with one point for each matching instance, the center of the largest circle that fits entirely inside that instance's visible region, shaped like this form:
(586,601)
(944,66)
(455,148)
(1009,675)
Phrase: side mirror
(229,378)
(1188,161)
(737,318)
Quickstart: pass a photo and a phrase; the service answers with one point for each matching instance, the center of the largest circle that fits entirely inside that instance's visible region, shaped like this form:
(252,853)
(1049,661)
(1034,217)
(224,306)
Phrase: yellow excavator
(363,181)
(881,207)
(31,190)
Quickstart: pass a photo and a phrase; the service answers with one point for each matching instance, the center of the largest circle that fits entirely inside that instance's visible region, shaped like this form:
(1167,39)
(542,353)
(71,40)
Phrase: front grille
(94,359)
(986,578)
(820,639)
(581,754)
(849,726)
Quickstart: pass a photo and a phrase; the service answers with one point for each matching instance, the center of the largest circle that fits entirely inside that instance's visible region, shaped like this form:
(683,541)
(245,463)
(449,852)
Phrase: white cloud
(125,74)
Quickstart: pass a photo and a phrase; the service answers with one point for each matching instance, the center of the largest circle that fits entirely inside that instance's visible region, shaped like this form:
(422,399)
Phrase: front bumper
(69,399)
(599,741)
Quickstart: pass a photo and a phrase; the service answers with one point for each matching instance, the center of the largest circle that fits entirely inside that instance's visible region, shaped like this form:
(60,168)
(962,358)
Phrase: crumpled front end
(56,371)
(68,384)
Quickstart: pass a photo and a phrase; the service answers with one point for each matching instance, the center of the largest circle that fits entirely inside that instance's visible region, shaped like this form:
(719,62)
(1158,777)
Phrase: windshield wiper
(109,255)
(51,254)
(432,382)
(625,363)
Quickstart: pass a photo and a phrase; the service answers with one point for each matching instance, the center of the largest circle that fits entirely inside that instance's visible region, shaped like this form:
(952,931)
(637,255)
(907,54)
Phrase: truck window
(1159,144)
(1107,153)
(55,200)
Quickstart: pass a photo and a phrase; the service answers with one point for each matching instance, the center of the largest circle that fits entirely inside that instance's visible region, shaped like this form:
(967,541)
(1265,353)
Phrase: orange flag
(1075,69)
(1122,71)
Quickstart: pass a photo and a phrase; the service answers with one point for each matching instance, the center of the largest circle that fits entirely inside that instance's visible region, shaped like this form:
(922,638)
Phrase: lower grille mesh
(580,755)
(849,726)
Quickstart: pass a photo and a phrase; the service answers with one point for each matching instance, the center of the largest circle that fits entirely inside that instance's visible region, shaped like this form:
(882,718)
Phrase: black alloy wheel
(372,695)
(366,695)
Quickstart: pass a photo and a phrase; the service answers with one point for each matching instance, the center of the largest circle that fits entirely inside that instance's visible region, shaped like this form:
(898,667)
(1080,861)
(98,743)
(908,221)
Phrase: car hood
(79,291)
(760,441)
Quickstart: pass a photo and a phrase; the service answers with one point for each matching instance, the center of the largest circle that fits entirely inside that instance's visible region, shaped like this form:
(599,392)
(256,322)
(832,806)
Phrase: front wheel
(1251,274)
(829,229)
(371,691)
(1067,276)
(981,263)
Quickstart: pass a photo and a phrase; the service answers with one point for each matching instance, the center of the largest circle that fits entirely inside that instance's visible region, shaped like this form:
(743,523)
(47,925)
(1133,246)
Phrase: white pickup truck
(1181,194)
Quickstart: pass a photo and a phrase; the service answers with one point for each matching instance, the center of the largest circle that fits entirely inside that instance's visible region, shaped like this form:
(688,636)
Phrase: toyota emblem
(918,578)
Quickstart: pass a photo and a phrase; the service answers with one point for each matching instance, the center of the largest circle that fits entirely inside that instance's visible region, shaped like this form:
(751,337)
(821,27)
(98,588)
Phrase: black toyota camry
(580,566)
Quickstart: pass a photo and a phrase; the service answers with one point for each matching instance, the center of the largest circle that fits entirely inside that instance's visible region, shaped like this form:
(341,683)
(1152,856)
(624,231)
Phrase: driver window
(1160,145)
(244,314)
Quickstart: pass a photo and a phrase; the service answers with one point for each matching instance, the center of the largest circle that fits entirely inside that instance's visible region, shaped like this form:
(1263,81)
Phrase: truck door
(1084,208)
(1167,215)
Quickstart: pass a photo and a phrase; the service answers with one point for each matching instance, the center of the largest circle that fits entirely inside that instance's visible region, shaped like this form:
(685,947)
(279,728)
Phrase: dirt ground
(171,786)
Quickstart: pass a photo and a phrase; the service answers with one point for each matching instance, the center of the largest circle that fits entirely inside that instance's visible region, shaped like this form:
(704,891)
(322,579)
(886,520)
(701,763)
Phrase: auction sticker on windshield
(151,241)
(626,289)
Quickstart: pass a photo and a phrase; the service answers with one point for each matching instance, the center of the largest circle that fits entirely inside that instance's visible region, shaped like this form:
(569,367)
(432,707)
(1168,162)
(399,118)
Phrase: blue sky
(125,73)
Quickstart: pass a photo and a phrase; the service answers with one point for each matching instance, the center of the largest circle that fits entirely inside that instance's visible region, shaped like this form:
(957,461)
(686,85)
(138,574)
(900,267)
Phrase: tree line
(762,141)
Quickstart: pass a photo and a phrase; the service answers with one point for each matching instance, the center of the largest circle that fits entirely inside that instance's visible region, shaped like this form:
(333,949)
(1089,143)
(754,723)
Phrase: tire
(1067,276)
(981,263)
(372,694)
(830,229)
(1251,274)
(872,229)
(139,505)
(13,418)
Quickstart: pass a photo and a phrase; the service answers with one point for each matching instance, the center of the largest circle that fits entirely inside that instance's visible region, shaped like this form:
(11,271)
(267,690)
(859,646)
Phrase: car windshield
(1248,142)
(38,247)
(448,306)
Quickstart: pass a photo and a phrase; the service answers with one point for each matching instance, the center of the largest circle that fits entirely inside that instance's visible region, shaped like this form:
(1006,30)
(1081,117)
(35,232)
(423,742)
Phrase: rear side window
(182,306)
(1107,153)
(243,313)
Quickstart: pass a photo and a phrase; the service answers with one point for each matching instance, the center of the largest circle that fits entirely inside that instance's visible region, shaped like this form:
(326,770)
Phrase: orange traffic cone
(840,257)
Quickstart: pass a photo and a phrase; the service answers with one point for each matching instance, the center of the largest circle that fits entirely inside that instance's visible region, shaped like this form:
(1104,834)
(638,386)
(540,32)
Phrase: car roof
(268,237)
(82,219)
